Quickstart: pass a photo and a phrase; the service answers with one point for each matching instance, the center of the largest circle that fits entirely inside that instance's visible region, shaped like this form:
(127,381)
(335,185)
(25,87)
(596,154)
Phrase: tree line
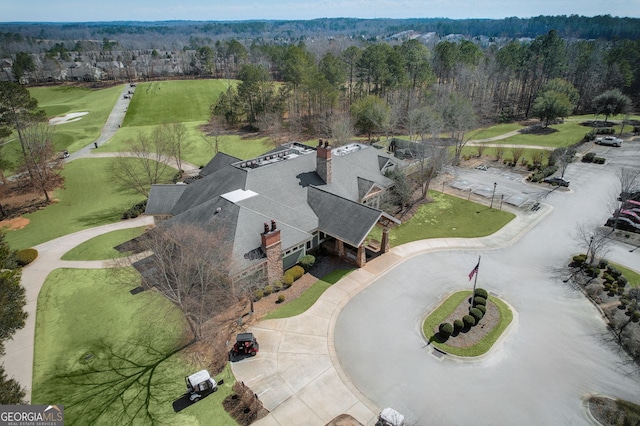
(496,84)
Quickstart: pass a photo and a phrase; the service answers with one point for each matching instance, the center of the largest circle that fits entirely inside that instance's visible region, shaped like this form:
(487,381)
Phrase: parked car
(609,140)
(556,181)
(623,223)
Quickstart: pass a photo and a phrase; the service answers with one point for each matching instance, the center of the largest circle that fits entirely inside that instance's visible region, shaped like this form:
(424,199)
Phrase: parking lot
(555,354)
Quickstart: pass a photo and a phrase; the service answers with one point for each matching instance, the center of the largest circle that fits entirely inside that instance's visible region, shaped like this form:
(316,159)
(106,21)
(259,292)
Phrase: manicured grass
(102,246)
(308,298)
(171,101)
(447,216)
(450,305)
(632,276)
(82,312)
(88,199)
(61,100)
(198,151)
(493,131)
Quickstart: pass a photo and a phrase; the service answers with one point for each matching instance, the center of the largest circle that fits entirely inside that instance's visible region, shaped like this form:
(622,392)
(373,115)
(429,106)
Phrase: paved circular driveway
(553,355)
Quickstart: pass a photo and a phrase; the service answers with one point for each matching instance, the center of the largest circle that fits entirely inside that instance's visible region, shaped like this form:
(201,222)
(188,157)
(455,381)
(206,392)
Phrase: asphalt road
(554,354)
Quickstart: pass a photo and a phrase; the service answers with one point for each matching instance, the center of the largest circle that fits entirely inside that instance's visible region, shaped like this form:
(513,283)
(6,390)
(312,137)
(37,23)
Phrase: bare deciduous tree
(431,158)
(143,164)
(40,158)
(517,153)
(173,137)
(339,127)
(499,150)
(594,239)
(190,266)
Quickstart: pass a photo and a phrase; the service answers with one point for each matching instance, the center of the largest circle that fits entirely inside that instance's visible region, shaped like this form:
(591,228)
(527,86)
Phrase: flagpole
(475,281)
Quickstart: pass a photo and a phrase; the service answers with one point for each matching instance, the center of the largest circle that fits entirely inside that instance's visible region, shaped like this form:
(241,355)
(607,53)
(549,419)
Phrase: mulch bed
(469,337)
(606,411)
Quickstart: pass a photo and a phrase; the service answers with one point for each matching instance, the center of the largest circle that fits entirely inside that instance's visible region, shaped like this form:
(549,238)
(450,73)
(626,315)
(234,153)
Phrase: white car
(609,140)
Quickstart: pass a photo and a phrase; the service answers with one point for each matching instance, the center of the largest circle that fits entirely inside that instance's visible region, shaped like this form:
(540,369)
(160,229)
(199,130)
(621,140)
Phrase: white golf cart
(200,384)
(390,417)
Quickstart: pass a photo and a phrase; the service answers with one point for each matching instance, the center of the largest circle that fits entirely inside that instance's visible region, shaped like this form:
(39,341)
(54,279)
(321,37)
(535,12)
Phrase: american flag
(474,271)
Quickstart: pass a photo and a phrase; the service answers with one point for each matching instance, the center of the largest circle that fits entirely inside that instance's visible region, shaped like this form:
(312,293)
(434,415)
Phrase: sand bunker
(14,224)
(74,116)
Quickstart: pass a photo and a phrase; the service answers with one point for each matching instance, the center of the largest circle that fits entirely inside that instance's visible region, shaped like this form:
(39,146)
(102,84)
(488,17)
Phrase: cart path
(18,358)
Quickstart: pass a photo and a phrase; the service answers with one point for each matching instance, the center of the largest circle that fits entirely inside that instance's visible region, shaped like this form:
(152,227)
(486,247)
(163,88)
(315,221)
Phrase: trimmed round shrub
(622,280)
(280,298)
(613,271)
(287,280)
(479,301)
(458,325)
(445,329)
(578,260)
(481,292)
(468,321)
(26,256)
(296,272)
(277,286)
(482,308)
(258,294)
(267,290)
(307,261)
(476,314)
(636,316)
(603,263)
(593,272)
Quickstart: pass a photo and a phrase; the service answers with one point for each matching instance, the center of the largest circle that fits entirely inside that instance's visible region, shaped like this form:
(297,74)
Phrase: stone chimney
(323,161)
(272,247)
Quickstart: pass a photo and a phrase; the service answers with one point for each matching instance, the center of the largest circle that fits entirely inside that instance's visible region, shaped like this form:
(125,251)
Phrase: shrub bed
(26,256)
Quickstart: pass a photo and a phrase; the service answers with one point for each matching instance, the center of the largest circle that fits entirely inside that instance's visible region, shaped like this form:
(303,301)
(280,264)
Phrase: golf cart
(246,344)
(200,384)
(390,417)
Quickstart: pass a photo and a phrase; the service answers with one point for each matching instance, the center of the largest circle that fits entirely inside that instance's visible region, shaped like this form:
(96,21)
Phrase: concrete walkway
(18,361)
(297,374)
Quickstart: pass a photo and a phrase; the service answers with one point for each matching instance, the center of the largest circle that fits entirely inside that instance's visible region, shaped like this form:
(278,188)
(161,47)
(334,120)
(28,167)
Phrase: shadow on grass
(102,217)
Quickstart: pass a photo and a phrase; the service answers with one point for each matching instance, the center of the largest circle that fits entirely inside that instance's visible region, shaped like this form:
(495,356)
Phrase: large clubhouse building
(275,208)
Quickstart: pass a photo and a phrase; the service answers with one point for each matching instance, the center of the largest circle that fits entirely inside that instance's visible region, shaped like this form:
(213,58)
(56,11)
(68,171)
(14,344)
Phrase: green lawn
(632,276)
(89,199)
(102,246)
(61,100)
(493,131)
(445,309)
(83,313)
(308,298)
(171,101)
(199,151)
(447,216)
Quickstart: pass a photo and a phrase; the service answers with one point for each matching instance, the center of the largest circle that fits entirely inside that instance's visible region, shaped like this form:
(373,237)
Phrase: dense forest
(376,76)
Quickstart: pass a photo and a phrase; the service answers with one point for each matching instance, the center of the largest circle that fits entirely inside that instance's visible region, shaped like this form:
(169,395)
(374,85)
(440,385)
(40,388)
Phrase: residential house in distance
(275,208)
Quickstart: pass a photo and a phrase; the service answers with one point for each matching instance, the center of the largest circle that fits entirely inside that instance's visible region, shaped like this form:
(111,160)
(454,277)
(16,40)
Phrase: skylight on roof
(238,195)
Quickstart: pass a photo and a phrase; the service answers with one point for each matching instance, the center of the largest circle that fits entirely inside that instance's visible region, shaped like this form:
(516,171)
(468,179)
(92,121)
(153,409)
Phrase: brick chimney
(323,161)
(272,247)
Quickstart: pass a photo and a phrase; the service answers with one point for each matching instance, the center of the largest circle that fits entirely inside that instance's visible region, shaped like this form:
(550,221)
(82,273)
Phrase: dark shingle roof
(344,219)
(163,198)
(287,190)
(220,161)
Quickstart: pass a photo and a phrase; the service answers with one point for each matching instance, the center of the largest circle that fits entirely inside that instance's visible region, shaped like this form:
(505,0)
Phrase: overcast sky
(223,10)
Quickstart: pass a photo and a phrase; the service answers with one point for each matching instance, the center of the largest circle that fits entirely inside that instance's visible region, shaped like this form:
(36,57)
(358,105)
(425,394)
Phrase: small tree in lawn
(611,102)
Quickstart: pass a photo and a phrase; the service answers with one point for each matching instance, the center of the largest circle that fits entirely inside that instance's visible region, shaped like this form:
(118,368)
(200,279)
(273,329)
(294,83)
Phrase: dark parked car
(556,181)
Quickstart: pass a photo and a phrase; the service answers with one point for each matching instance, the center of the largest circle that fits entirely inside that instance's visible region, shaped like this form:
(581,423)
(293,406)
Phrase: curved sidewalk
(18,360)
(297,374)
